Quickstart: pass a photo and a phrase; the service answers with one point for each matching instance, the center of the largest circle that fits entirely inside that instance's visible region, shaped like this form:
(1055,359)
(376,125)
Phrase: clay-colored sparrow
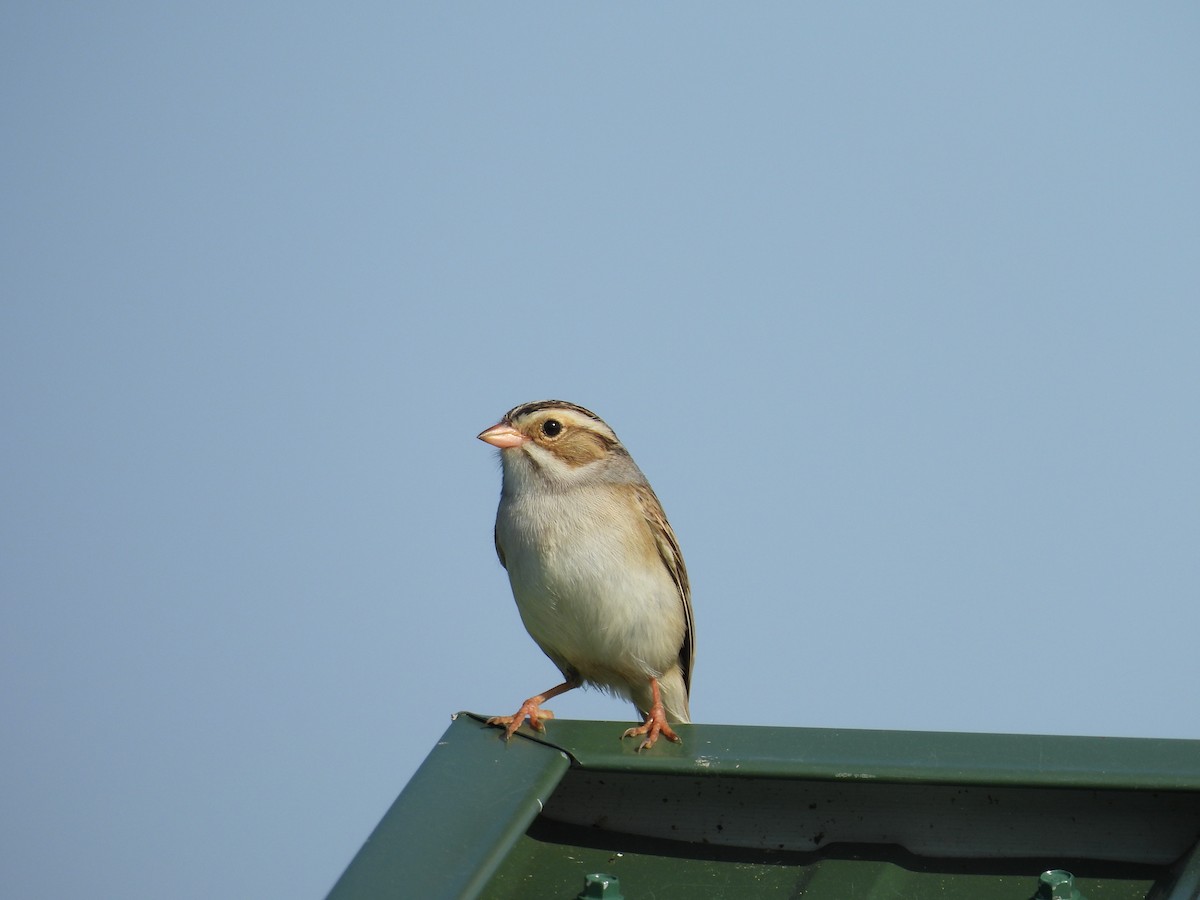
(594,566)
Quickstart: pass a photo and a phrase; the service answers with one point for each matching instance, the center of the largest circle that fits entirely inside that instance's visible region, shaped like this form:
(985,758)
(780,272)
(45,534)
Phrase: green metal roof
(738,811)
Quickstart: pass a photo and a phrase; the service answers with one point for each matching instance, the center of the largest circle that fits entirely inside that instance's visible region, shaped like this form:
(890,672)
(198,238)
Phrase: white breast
(590,586)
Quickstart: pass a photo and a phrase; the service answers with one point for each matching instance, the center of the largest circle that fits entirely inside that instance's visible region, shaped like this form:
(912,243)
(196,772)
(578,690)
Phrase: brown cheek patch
(579,447)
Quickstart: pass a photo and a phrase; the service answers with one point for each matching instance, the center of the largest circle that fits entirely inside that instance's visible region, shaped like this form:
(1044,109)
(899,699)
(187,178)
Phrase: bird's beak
(503,436)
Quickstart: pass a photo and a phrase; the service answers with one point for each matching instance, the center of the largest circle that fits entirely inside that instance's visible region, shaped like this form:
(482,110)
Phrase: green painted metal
(752,812)
(457,819)
(893,756)
(545,867)
(1185,878)
(1057,884)
(599,886)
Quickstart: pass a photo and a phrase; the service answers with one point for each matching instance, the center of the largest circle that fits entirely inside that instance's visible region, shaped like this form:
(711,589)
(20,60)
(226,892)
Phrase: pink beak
(503,436)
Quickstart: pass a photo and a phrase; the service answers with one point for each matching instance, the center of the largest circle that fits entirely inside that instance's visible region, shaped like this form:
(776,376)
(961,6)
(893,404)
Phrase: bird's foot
(531,710)
(655,724)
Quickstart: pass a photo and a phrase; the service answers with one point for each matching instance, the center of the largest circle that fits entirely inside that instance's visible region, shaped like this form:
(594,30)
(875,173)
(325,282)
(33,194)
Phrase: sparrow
(594,566)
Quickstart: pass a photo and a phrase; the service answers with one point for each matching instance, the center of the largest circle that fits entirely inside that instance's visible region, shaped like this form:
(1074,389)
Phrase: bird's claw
(655,724)
(529,710)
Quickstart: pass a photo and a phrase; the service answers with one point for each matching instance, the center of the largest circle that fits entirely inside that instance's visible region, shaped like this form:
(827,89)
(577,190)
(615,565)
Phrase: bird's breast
(589,583)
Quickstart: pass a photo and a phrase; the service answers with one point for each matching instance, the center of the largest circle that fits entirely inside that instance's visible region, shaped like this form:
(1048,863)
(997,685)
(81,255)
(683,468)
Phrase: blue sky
(897,307)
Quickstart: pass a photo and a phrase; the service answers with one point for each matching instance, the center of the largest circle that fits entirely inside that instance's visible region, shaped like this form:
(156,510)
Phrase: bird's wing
(499,549)
(668,551)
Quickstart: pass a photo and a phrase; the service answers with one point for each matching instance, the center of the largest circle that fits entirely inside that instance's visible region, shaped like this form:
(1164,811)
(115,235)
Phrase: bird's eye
(552,428)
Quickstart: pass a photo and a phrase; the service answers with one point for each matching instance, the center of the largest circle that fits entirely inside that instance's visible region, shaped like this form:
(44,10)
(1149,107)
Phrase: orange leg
(531,709)
(655,724)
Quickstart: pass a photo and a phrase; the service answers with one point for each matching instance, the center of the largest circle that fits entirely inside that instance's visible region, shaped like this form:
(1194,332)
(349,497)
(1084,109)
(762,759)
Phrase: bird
(594,566)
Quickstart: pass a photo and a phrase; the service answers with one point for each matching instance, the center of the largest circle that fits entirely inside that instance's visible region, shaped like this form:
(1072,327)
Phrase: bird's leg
(655,724)
(531,709)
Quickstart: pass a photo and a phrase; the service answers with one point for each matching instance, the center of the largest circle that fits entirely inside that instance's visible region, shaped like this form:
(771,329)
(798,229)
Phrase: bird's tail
(674,697)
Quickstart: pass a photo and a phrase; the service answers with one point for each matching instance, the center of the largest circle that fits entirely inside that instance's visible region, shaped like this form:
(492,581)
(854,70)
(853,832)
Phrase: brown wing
(668,551)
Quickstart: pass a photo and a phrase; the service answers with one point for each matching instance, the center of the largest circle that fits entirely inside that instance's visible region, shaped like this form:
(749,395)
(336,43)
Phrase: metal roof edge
(460,828)
(824,754)
(456,819)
